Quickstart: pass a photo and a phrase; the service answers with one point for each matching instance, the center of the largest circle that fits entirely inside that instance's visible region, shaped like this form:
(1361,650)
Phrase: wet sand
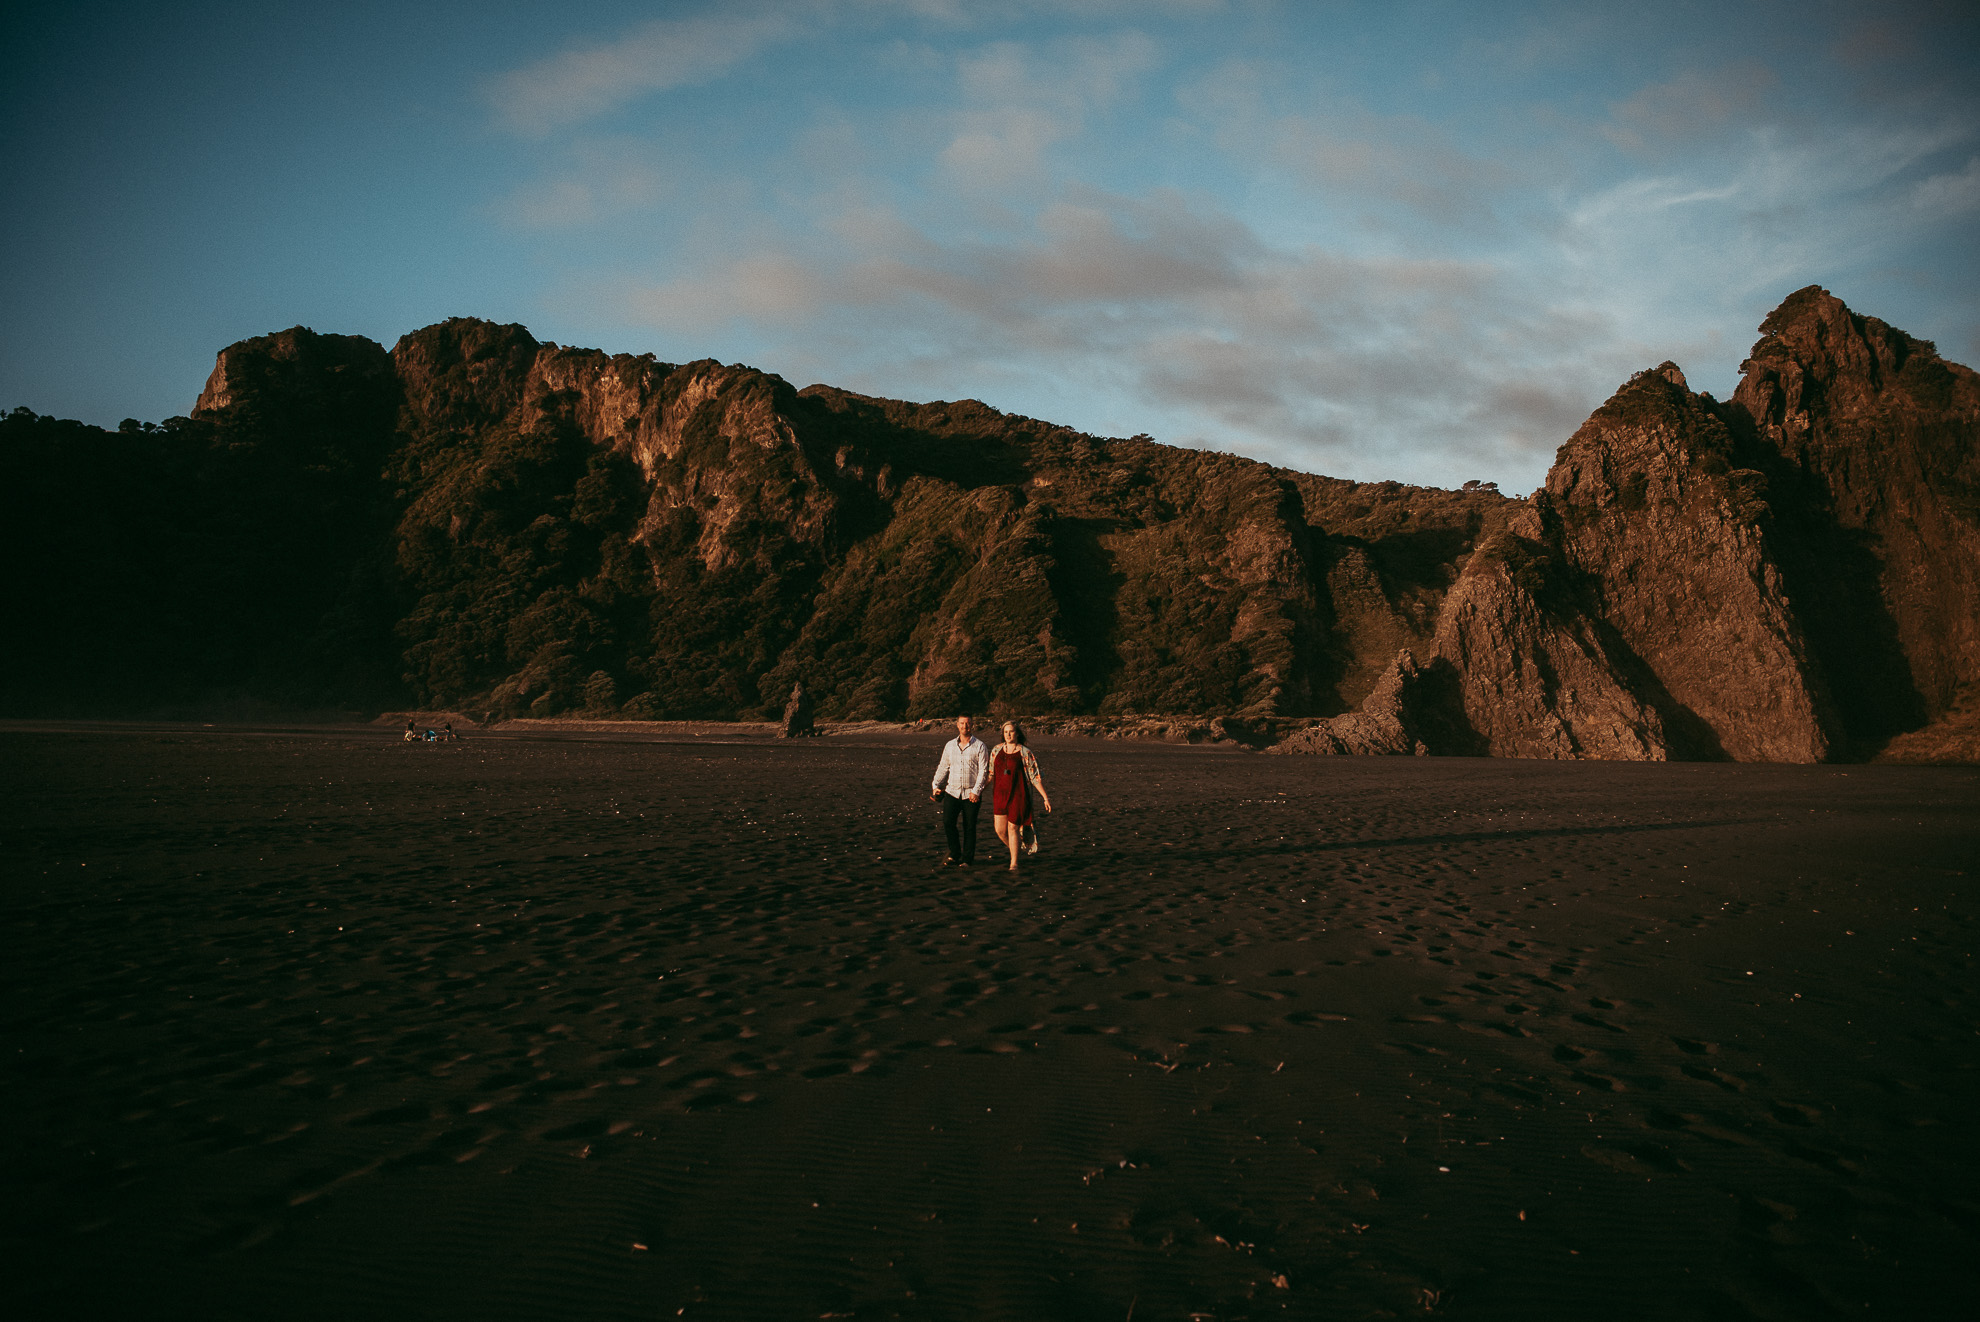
(317,1024)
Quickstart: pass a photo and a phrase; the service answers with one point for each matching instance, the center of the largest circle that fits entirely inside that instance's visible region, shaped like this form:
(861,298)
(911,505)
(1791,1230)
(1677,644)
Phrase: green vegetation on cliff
(478,520)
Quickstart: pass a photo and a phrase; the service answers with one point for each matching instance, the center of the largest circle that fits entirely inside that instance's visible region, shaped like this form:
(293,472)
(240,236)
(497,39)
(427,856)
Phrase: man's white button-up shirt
(964,770)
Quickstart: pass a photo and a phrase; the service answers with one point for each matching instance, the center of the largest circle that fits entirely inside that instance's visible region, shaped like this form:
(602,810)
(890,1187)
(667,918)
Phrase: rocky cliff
(483,521)
(1789,576)
(1866,438)
(592,532)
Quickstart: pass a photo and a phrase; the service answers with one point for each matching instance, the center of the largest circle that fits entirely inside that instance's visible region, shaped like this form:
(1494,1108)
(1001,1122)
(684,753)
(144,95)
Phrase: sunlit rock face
(1868,441)
(693,539)
(480,521)
(1790,576)
(297,388)
(1668,538)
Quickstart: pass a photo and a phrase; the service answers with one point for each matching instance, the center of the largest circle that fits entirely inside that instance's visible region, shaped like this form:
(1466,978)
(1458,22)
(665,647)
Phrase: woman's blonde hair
(1017,732)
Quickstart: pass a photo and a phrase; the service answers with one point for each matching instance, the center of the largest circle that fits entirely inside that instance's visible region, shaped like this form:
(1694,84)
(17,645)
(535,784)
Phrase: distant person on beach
(798,717)
(412,734)
(1014,779)
(447,732)
(958,787)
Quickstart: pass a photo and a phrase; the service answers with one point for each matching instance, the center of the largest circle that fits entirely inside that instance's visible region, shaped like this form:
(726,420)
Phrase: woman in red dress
(1014,779)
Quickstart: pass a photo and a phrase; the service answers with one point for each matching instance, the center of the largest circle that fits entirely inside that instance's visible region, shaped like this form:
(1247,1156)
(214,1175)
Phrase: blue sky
(1412,241)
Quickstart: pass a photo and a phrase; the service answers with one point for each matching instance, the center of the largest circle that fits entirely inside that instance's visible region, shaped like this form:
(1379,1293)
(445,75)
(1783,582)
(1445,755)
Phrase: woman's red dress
(1010,796)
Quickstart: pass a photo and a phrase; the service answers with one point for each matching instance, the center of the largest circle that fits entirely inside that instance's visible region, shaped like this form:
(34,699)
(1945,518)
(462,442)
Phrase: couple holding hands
(1011,773)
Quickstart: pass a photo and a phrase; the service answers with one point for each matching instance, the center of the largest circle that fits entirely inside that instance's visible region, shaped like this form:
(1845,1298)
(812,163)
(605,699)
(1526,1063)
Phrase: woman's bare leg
(1010,835)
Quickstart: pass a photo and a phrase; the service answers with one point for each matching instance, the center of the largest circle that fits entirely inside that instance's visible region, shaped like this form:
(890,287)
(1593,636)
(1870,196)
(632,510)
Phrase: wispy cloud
(1952,194)
(602,179)
(1775,208)
(1019,101)
(594,78)
(1097,223)
(1317,358)
(1398,158)
(1342,149)
(1675,114)
(581,83)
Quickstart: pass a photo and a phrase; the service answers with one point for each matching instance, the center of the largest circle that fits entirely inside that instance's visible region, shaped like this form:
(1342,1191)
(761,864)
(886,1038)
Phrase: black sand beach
(316,1024)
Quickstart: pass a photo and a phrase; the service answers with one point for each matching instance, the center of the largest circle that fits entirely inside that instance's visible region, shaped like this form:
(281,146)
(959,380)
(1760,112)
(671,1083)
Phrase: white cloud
(1020,101)
(587,81)
(1000,149)
(1368,294)
(1769,214)
(1316,358)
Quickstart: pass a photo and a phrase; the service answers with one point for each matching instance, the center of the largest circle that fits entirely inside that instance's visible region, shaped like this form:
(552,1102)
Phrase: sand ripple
(318,1024)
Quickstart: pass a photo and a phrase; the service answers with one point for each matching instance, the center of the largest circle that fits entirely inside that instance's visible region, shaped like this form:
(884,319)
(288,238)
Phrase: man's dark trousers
(963,850)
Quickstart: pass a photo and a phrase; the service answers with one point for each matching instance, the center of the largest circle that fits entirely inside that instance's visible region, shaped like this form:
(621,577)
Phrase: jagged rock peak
(1678,605)
(1871,444)
(1816,359)
(1815,326)
(1641,443)
(464,372)
(291,371)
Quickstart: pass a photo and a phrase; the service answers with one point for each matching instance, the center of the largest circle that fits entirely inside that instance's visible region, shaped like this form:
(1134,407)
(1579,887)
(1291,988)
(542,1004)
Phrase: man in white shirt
(958,787)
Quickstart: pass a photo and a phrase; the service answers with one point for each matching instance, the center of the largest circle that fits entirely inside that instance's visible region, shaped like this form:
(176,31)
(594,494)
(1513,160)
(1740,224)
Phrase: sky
(1379,241)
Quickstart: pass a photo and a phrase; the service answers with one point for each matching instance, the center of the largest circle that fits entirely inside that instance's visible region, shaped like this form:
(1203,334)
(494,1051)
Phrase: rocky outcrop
(700,535)
(1868,440)
(299,384)
(1517,668)
(1399,708)
(1665,536)
(1533,673)
(1789,577)
(799,719)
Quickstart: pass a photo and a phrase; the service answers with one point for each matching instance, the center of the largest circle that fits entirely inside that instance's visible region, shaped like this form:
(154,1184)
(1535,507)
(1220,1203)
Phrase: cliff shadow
(1086,585)
(1687,735)
(1434,713)
(1366,610)
(966,460)
(1423,557)
(1835,576)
